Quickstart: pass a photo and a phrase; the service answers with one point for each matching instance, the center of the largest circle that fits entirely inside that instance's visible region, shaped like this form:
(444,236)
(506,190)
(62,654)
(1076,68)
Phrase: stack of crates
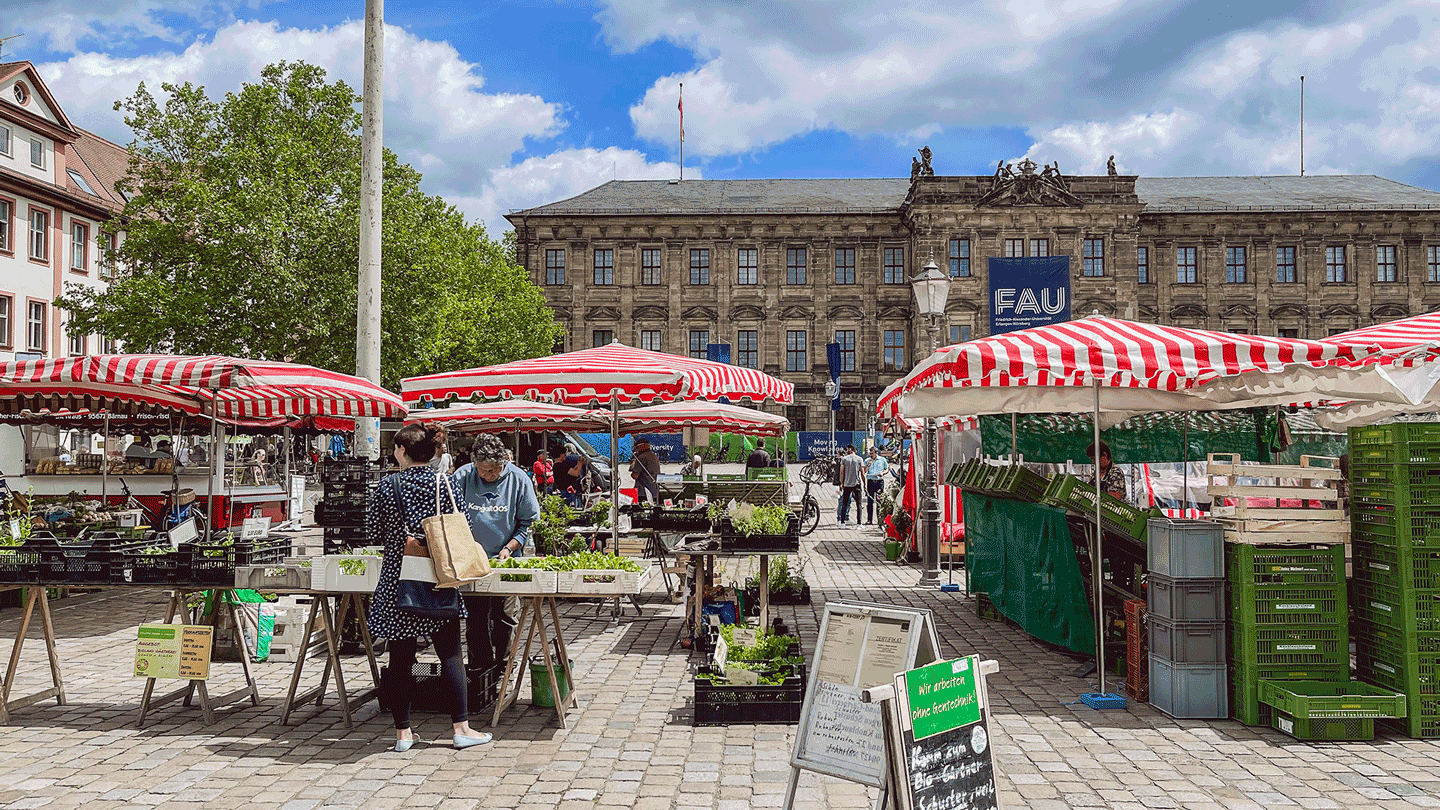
(1395,514)
(341,510)
(1137,652)
(1288,620)
(1186,618)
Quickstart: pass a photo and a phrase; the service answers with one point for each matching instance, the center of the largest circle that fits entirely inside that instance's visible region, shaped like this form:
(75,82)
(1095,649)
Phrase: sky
(508,104)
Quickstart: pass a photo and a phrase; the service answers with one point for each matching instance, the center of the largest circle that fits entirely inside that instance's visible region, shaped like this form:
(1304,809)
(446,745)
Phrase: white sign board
(297,497)
(255,528)
(861,645)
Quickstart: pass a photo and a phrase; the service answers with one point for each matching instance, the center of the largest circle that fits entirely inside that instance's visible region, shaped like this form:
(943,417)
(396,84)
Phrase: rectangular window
(35,327)
(795,266)
(650,266)
(1335,263)
(79,245)
(959,258)
(845,265)
(1142,265)
(747,348)
(601,337)
(105,245)
(1290,333)
(555,267)
(894,349)
(650,340)
(699,343)
(108,345)
(1432,262)
(1235,265)
(1092,262)
(1039,247)
(795,351)
(37,153)
(1014,248)
(1185,270)
(605,267)
(1285,265)
(77,345)
(39,235)
(5,141)
(699,265)
(846,339)
(5,212)
(7,305)
(747,266)
(895,266)
(796,415)
(1385,269)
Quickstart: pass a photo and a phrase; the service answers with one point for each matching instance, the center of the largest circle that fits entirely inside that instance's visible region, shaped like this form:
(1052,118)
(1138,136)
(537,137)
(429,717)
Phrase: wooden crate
(1319,518)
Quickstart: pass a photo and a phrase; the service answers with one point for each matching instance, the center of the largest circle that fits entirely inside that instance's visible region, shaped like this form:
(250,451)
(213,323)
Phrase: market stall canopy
(676,416)
(512,414)
(1140,368)
(226,387)
(615,372)
(1412,365)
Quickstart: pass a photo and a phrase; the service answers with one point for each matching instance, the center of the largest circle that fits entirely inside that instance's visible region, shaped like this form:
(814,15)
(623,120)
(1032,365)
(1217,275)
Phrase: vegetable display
(762,520)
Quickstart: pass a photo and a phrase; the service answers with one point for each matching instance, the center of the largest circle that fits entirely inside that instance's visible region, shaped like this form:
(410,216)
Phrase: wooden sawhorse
(36,597)
(330,623)
(224,599)
(532,613)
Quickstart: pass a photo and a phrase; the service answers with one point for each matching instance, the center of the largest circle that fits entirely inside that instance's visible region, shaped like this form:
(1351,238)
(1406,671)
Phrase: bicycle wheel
(809,515)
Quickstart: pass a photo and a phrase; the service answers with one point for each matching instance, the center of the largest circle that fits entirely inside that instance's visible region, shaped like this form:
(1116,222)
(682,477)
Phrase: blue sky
(506,105)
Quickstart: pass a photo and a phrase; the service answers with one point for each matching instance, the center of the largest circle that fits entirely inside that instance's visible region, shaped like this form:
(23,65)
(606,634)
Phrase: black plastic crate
(339,539)
(20,564)
(671,520)
(213,561)
(151,562)
(74,562)
(329,513)
(731,704)
(338,470)
(788,543)
(348,489)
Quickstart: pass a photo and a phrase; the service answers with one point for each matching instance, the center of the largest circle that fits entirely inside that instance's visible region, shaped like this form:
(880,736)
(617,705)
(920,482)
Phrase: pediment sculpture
(1021,184)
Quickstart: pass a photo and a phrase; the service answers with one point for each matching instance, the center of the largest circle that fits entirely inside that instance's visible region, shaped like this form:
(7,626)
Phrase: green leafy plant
(578,561)
(763,520)
(782,578)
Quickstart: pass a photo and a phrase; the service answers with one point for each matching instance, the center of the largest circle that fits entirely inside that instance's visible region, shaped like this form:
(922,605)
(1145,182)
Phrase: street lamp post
(932,289)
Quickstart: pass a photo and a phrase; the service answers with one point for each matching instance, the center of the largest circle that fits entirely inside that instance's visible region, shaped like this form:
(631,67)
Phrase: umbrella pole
(1096,572)
(1014,451)
(217,450)
(105,462)
(1185,467)
(615,474)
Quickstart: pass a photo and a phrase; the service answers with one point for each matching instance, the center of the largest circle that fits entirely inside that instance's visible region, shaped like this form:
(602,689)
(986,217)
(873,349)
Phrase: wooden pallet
(1319,478)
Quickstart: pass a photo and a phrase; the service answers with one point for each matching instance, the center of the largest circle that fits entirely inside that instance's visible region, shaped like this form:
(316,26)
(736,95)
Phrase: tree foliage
(242,238)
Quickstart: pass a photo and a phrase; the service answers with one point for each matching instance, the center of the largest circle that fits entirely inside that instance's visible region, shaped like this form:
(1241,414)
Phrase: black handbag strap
(404,513)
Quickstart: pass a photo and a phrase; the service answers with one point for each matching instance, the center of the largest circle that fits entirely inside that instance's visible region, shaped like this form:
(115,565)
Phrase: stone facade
(628,261)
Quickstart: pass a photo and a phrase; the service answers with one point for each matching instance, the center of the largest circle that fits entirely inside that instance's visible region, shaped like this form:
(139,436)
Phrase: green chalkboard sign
(943,696)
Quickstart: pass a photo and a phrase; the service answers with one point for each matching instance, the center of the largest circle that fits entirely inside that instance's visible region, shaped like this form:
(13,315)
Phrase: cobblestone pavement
(631,743)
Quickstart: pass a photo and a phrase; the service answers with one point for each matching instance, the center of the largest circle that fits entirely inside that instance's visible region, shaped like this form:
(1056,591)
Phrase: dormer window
(22,93)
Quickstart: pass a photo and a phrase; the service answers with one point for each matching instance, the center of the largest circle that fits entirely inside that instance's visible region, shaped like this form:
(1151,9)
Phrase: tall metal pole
(931,553)
(367,311)
(1302,126)
(1096,568)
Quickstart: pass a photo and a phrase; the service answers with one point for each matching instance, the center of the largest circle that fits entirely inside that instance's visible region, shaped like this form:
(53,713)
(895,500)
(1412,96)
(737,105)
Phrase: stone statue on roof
(925,170)
(1110,167)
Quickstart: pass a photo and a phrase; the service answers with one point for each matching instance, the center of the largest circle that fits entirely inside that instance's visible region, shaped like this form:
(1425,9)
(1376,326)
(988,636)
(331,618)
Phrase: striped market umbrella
(512,414)
(607,374)
(1409,365)
(675,416)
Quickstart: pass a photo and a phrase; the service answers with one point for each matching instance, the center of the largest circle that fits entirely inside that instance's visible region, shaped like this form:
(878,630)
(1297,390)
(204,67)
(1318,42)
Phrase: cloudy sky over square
(507,105)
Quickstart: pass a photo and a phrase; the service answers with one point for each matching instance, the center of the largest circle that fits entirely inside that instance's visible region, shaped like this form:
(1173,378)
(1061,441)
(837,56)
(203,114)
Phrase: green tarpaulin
(1021,555)
(1147,439)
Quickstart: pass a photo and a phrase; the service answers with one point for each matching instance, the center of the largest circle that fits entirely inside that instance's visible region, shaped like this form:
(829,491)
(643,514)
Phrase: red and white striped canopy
(1410,365)
(1142,367)
(237,388)
(512,414)
(1406,333)
(675,416)
(615,371)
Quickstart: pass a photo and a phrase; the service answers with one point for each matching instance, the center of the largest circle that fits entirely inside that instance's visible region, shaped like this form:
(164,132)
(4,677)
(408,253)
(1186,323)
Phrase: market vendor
(500,504)
(1112,480)
(139,451)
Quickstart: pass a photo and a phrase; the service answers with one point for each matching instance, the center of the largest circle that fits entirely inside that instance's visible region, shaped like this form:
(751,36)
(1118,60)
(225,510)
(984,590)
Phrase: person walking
(645,469)
(500,504)
(544,471)
(852,477)
(394,512)
(875,471)
(570,475)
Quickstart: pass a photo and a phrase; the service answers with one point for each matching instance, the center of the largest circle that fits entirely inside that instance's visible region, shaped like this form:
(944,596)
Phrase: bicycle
(809,511)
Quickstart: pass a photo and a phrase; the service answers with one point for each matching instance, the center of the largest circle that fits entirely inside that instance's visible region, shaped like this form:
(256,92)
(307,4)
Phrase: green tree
(242,238)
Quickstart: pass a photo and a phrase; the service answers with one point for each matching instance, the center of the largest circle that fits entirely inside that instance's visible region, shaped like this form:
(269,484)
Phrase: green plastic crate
(1274,646)
(1312,699)
(1409,526)
(1396,607)
(1395,433)
(1245,705)
(1247,566)
(1071,493)
(1393,643)
(1395,475)
(1422,721)
(1416,452)
(1381,496)
(1415,675)
(1289,605)
(1323,729)
(1395,566)
(1018,482)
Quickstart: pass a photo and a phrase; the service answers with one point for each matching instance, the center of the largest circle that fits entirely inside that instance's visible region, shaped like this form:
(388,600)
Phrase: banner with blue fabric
(1026,292)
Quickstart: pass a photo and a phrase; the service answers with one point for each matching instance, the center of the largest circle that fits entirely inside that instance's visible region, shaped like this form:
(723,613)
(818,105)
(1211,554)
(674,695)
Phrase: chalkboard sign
(940,731)
(860,645)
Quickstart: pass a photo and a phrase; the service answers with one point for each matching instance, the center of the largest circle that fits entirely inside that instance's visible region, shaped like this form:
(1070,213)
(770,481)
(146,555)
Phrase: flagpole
(681,108)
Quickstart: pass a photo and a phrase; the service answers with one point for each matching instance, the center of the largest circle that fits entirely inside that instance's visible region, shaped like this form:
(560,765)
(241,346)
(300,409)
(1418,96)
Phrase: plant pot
(893,549)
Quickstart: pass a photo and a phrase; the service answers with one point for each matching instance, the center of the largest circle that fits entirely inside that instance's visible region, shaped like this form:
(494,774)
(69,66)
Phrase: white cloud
(62,26)
(1372,103)
(438,115)
(558,176)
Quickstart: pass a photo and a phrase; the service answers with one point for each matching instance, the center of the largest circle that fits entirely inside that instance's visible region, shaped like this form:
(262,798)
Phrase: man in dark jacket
(570,471)
(645,469)
(758,458)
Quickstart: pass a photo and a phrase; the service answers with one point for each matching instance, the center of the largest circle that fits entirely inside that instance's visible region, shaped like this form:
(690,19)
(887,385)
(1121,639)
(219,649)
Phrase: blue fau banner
(1028,292)
(832,362)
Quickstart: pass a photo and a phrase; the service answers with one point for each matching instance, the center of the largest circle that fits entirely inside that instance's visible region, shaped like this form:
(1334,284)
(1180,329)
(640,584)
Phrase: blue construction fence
(670,447)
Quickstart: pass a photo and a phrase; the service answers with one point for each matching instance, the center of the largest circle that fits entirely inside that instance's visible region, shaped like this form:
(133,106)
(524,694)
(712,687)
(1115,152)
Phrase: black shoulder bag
(417,597)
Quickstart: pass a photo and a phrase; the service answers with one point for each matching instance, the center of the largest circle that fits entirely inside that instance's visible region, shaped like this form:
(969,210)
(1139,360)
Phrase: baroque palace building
(779,268)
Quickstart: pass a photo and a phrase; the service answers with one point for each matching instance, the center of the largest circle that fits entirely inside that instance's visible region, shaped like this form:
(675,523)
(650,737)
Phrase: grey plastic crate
(1187,642)
(1190,691)
(1191,600)
(1191,549)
